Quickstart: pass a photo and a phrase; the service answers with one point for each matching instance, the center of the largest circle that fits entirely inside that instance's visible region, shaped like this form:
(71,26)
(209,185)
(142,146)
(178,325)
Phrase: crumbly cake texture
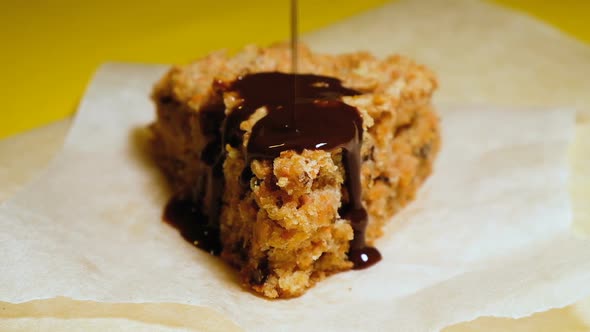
(283,231)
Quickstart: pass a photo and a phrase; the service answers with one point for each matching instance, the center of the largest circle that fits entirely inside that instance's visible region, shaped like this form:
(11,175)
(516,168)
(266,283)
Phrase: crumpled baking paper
(488,234)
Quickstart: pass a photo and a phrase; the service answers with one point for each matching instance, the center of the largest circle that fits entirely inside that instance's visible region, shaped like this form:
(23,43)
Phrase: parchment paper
(488,234)
(482,52)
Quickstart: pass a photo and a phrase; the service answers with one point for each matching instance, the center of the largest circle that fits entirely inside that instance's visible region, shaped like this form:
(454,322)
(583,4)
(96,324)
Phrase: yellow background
(49,49)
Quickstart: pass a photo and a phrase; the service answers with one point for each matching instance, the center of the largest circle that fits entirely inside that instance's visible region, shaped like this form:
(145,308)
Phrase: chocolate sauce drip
(303,112)
(186,216)
(361,255)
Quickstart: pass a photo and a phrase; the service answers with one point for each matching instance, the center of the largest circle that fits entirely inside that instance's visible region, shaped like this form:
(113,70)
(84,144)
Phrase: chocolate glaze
(303,112)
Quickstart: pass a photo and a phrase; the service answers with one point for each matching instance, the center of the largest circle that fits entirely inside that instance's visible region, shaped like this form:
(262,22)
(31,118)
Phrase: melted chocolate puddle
(304,112)
(188,218)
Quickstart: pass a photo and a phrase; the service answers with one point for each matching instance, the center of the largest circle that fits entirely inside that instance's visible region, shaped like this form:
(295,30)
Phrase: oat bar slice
(286,215)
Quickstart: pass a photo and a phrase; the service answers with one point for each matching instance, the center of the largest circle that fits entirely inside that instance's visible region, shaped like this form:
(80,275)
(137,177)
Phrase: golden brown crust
(283,231)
